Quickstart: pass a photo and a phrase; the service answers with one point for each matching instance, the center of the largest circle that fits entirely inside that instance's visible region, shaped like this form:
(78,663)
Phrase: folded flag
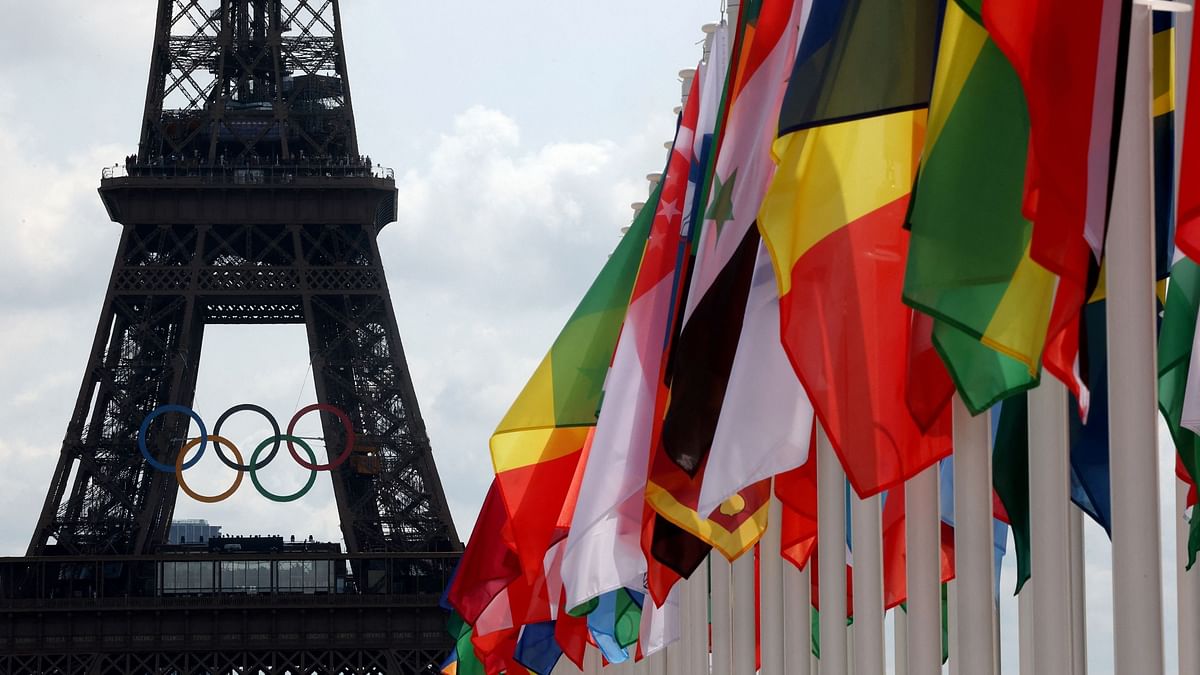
(1070,155)
(851,129)
(968,262)
(537,447)
(604,546)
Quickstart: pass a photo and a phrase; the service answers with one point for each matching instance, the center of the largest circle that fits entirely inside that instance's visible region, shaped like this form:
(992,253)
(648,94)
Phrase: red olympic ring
(346,424)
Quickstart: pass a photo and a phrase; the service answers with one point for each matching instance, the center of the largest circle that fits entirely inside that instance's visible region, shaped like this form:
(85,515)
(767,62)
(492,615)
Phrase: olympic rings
(180,466)
(312,477)
(141,439)
(238,466)
(179,471)
(346,424)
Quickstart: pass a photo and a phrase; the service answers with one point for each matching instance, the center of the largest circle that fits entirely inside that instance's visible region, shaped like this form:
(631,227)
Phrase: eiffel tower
(248,201)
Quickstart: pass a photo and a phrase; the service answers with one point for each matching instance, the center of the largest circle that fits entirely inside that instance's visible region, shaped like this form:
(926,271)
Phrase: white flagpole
(1025,627)
(695,659)
(1187,583)
(1133,418)
(1049,501)
(922,524)
(656,663)
(974,541)
(1189,589)
(996,665)
(797,621)
(592,663)
(1078,596)
(831,551)
(772,601)
(722,644)
(676,653)
(867,535)
(952,628)
(743,612)
(900,617)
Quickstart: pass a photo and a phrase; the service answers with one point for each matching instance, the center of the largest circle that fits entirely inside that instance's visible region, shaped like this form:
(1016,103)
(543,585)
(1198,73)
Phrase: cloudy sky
(520,133)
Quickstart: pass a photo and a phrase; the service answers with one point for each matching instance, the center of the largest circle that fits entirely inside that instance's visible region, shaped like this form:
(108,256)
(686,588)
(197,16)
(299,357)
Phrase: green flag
(1010,476)
(968,262)
(1174,354)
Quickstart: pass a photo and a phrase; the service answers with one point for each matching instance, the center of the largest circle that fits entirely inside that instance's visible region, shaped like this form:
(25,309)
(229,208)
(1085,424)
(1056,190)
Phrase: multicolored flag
(766,419)
(1070,155)
(968,261)
(711,321)
(716,301)
(850,135)
(489,563)
(604,546)
(537,447)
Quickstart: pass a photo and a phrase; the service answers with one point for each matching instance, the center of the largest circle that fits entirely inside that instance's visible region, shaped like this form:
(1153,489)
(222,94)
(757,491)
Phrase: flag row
(869,208)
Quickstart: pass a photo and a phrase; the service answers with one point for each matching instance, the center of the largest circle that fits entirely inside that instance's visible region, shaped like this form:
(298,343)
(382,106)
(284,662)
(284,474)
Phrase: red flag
(1065,59)
(895,580)
(489,563)
(1187,229)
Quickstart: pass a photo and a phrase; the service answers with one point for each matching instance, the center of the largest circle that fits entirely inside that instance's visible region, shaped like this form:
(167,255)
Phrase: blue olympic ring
(165,468)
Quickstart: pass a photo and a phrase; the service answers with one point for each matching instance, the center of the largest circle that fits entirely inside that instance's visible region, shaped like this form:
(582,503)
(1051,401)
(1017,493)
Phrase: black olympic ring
(229,413)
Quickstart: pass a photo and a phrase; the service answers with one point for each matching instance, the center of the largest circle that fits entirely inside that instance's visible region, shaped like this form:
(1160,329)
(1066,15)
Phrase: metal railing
(249,173)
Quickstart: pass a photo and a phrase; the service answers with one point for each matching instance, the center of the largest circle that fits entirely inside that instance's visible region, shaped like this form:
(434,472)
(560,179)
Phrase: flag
(536,649)
(968,262)
(766,420)
(1090,476)
(465,661)
(489,563)
(1010,476)
(604,545)
(711,322)
(797,493)
(660,624)
(1067,63)
(537,447)
(614,623)
(716,301)
(1187,235)
(850,133)
(1175,339)
(895,570)
(661,539)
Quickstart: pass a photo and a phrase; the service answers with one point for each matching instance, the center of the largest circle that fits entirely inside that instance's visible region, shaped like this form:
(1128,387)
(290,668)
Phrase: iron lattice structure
(247,202)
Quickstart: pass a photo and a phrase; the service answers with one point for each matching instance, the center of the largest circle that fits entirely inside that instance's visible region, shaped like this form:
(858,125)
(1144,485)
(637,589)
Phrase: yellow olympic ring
(237,482)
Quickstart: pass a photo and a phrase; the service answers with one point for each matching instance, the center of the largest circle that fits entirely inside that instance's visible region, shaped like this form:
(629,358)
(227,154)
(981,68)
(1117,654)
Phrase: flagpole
(677,652)
(699,588)
(772,602)
(974,541)
(797,622)
(831,553)
(1133,422)
(743,611)
(1049,490)
(1078,596)
(996,664)
(722,646)
(952,628)
(1025,627)
(900,619)
(656,663)
(1187,583)
(1188,637)
(922,524)
(591,662)
(867,535)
